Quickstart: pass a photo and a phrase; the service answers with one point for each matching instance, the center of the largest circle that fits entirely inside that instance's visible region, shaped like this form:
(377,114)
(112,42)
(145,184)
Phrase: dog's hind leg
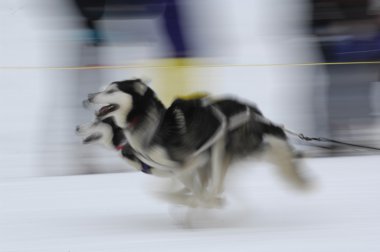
(280,154)
(192,194)
(212,197)
(189,175)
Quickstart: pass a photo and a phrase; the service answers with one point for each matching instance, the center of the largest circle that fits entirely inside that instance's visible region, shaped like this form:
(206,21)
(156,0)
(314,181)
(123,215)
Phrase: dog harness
(226,125)
(144,167)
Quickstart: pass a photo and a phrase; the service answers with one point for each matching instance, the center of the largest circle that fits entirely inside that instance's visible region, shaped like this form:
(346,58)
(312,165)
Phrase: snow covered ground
(116,212)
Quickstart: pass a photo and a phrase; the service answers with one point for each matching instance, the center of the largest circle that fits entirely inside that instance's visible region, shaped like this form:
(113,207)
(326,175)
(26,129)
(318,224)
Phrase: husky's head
(121,98)
(104,132)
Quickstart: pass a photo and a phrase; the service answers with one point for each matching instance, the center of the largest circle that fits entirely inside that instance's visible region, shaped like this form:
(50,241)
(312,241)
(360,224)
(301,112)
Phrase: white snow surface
(116,212)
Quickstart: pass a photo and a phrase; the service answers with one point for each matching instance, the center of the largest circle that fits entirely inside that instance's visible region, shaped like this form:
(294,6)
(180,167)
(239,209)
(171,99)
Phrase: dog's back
(246,138)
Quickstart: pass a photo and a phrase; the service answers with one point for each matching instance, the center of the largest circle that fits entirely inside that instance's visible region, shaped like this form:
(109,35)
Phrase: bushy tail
(281,155)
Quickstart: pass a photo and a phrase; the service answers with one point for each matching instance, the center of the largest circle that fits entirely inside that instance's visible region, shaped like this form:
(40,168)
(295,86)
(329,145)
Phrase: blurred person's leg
(91,11)
(175,78)
(349,101)
(174,29)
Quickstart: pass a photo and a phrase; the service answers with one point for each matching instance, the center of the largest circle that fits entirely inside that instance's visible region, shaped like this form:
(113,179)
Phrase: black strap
(322,139)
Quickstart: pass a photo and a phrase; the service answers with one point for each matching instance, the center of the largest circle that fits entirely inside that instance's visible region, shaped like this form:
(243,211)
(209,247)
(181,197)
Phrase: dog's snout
(77,128)
(91,97)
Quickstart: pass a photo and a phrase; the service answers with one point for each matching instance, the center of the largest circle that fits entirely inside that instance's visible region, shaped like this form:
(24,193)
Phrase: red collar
(120,147)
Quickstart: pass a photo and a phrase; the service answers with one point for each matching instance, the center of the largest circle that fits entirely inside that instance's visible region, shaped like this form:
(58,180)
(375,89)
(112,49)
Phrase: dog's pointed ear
(146,80)
(113,83)
(140,87)
(105,86)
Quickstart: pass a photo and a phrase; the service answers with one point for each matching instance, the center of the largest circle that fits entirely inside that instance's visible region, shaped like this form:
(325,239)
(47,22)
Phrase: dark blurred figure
(92,11)
(348,30)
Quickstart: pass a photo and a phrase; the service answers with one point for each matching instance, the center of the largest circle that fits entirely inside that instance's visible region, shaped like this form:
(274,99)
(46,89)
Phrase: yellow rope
(188,66)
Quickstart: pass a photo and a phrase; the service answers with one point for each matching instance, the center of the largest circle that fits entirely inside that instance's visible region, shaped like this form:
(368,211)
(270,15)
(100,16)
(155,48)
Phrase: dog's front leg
(217,173)
(189,195)
(188,176)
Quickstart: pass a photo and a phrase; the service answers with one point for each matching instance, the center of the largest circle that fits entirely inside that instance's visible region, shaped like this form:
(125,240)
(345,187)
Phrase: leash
(328,140)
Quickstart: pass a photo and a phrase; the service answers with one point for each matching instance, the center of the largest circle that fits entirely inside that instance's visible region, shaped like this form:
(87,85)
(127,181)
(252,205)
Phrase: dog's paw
(306,185)
(213,202)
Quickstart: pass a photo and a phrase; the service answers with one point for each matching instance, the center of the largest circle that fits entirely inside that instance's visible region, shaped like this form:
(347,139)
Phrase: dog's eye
(111,91)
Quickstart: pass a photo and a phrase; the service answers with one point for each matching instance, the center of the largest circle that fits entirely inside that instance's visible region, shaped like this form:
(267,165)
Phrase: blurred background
(256,48)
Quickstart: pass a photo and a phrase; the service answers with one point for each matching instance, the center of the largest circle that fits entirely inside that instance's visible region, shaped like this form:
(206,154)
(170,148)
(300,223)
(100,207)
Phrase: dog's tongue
(104,110)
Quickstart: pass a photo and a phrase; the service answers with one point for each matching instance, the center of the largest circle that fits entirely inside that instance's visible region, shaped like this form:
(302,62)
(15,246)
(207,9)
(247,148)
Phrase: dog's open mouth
(92,137)
(103,111)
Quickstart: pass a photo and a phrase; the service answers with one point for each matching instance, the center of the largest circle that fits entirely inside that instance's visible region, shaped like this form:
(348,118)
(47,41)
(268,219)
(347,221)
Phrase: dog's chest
(155,155)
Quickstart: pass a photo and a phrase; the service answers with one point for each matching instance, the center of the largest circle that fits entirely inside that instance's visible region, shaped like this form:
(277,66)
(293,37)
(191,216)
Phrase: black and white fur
(194,134)
(107,134)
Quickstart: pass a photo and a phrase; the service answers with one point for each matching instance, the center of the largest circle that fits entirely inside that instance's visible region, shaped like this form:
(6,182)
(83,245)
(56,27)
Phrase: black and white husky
(194,134)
